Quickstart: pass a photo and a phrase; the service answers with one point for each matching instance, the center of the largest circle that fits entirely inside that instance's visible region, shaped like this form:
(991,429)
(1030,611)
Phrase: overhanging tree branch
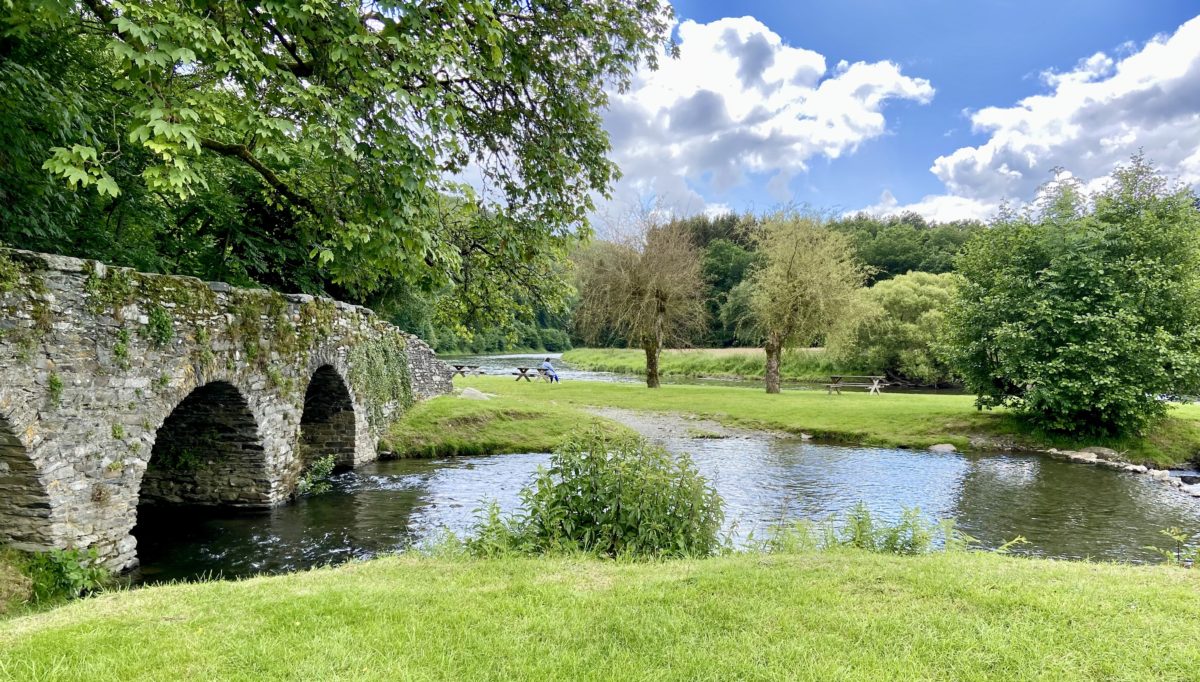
(242,152)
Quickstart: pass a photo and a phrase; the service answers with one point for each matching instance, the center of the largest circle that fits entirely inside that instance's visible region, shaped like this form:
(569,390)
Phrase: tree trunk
(651,364)
(773,347)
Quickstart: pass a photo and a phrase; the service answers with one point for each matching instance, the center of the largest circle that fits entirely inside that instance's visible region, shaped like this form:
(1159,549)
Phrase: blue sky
(848,105)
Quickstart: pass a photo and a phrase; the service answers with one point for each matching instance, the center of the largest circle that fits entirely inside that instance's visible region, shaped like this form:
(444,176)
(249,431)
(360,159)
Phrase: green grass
(454,426)
(741,363)
(836,615)
(890,419)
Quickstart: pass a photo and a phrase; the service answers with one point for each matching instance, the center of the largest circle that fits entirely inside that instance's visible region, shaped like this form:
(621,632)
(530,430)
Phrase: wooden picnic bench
(465,370)
(526,373)
(873,384)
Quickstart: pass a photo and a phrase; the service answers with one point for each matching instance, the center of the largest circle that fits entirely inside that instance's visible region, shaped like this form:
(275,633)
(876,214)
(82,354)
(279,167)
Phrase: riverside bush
(62,574)
(610,496)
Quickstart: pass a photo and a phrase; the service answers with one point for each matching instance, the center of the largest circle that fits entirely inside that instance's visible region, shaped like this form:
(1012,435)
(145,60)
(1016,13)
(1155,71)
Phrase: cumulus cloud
(738,101)
(1090,119)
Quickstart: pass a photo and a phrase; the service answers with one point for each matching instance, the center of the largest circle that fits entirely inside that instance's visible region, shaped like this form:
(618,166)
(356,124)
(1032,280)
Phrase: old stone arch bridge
(121,390)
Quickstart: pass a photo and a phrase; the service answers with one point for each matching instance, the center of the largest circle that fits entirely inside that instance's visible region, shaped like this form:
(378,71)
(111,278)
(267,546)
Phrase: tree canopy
(385,149)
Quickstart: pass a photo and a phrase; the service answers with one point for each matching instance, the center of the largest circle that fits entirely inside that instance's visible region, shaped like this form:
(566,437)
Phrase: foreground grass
(740,363)
(836,615)
(890,419)
(455,426)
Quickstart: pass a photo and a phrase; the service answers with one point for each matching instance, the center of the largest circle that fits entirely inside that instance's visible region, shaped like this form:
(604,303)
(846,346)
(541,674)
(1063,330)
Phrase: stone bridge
(121,391)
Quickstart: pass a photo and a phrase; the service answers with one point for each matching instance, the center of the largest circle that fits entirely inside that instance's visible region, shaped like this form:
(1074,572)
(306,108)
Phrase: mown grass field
(841,614)
(745,363)
(890,419)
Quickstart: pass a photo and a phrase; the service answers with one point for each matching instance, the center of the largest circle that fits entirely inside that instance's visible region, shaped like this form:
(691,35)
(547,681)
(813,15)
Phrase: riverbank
(842,614)
(890,419)
(454,425)
(805,365)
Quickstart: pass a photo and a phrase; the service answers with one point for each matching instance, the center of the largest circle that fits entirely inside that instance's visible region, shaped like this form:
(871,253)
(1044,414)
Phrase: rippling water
(1064,510)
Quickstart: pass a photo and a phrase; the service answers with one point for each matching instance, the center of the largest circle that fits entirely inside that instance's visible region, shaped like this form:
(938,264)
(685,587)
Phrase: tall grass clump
(911,534)
(611,496)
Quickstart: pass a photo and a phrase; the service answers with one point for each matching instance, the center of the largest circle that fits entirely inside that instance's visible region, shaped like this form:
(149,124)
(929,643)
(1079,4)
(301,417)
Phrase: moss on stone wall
(380,377)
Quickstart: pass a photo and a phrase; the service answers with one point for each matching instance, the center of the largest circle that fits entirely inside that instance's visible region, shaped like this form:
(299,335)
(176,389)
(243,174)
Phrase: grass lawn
(835,615)
(911,420)
(454,426)
(750,363)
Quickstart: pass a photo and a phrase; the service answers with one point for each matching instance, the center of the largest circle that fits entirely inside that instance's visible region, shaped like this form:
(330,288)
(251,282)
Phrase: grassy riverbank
(910,420)
(456,426)
(837,615)
(744,363)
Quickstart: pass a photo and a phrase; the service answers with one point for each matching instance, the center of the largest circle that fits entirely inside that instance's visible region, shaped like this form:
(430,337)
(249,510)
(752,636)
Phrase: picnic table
(873,384)
(526,373)
(464,370)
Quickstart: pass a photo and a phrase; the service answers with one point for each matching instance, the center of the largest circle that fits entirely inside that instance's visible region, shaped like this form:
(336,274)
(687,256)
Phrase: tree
(317,144)
(899,328)
(807,275)
(725,265)
(648,289)
(894,245)
(1081,314)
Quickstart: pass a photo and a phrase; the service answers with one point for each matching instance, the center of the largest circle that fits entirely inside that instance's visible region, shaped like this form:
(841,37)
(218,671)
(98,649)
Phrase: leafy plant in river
(614,497)
(315,480)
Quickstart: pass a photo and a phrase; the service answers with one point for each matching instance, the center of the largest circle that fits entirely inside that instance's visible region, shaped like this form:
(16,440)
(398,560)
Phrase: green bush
(610,496)
(554,340)
(899,328)
(315,480)
(1082,315)
(62,574)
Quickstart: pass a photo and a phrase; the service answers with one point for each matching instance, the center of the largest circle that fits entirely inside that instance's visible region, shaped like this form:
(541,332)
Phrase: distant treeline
(890,246)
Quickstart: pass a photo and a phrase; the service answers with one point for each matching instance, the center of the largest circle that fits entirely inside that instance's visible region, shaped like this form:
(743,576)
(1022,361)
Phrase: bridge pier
(123,391)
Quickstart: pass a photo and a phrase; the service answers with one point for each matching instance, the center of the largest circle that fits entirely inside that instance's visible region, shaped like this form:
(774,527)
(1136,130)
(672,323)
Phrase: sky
(943,107)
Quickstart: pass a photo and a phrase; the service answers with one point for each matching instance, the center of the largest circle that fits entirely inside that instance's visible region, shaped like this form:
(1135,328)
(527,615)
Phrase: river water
(1064,510)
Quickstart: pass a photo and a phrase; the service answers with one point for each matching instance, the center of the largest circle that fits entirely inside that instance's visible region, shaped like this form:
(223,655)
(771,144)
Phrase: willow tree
(807,275)
(647,290)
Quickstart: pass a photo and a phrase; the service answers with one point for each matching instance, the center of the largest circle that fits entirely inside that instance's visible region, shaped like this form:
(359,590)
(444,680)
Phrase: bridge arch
(329,424)
(208,451)
(24,503)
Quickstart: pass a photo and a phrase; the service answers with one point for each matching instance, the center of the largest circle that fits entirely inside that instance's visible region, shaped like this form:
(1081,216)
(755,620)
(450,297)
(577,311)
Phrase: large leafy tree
(1083,313)
(364,148)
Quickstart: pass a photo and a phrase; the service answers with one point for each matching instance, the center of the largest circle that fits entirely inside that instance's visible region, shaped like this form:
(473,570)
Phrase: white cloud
(1091,119)
(739,100)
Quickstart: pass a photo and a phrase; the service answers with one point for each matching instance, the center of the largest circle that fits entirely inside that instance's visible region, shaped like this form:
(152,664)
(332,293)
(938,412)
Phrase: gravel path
(663,426)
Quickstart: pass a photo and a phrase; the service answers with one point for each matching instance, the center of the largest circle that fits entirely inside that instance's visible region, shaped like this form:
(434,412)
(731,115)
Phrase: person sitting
(550,373)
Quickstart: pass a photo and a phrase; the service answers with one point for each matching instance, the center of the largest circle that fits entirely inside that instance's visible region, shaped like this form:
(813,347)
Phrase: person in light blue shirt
(550,371)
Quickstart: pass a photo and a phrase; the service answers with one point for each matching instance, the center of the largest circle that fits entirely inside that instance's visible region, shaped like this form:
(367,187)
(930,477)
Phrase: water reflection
(1064,510)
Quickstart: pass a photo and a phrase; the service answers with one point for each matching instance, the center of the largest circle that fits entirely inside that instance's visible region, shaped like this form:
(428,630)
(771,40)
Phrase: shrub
(315,480)
(554,340)
(65,574)
(613,497)
(1082,315)
(899,329)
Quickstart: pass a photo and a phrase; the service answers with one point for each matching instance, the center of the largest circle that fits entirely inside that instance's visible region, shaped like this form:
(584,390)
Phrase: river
(1064,510)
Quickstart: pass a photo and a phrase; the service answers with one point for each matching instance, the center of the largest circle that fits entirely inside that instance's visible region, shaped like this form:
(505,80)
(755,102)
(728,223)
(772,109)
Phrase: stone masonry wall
(96,368)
